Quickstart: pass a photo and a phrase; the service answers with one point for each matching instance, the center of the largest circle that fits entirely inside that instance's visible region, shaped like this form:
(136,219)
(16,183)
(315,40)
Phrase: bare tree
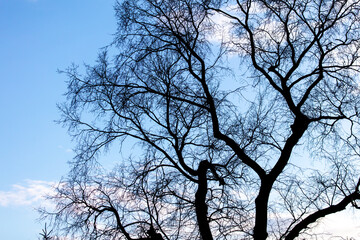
(263,149)
(46,235)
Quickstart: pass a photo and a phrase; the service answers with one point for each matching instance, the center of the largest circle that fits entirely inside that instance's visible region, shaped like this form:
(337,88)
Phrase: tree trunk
(261,204)
(200,202)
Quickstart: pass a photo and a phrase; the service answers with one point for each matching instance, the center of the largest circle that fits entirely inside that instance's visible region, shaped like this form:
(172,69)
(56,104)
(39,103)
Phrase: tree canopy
(244,115)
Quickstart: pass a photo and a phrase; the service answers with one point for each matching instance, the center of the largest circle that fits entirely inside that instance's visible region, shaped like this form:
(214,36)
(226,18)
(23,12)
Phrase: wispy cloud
(29,193)
(67,150)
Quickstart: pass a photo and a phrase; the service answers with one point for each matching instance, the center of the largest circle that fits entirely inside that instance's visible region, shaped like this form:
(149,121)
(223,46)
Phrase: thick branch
(321,213)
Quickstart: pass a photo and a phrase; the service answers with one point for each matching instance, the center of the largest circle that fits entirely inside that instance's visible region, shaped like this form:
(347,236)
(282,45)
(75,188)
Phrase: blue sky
(37,37)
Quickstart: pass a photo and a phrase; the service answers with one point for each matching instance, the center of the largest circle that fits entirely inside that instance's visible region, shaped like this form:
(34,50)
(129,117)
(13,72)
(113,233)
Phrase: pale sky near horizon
(38,37)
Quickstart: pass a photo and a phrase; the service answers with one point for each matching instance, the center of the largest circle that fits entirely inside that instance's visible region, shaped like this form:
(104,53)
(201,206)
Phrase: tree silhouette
(244,114)
(46,235)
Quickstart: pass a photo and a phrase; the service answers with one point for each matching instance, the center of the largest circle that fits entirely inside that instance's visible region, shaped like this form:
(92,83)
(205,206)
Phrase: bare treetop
(226,148)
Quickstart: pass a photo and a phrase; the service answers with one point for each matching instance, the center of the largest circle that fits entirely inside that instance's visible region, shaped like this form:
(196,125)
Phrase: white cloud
(344,224)
(222,29)
(30,193)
